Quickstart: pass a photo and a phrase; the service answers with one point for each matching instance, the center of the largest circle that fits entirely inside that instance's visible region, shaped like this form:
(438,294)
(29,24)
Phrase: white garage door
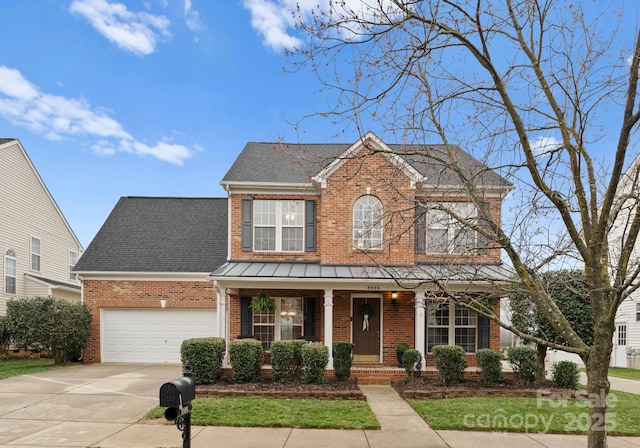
(152,336)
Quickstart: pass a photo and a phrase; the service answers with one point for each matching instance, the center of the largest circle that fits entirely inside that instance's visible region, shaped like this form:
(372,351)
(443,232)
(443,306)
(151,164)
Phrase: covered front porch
(372,307)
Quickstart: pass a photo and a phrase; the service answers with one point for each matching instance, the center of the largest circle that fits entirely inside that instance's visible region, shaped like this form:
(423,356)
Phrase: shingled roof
(269,162)
(160,234)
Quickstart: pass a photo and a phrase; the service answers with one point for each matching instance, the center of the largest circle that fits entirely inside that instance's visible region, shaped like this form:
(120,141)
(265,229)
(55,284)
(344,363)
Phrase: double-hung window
(450,232)
(449,323)
(35,253)
(286,322)
(278,225)
(10,272)
(367,223)
(73,259)
(637,312)
(622,334)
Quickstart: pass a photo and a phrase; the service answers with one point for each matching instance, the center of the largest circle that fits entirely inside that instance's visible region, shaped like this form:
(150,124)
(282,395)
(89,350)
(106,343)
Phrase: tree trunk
(542,354)
(598,387)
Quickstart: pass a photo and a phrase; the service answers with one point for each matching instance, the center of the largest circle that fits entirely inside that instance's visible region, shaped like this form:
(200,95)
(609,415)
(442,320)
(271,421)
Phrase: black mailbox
(178,393)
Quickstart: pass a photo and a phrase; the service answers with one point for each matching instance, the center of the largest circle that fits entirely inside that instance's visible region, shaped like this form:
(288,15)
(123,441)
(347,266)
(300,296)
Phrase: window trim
(359,241)
(451,335)
(10,255)
(72,276)
(277,322)
(279,225)
(35,254)
(452,227)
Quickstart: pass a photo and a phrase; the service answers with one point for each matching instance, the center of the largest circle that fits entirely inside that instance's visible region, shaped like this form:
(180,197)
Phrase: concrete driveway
(79,405)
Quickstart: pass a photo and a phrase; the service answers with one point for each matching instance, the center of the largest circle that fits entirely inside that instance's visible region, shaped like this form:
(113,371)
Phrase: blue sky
(151,98)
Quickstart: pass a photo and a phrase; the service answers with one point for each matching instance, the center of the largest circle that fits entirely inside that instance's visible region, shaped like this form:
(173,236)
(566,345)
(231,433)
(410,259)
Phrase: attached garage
(151,335)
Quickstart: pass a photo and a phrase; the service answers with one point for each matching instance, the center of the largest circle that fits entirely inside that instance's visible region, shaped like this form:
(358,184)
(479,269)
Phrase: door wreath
(366,311)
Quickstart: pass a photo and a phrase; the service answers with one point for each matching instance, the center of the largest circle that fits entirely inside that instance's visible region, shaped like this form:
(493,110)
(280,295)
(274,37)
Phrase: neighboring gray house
(146,278)
(38,248)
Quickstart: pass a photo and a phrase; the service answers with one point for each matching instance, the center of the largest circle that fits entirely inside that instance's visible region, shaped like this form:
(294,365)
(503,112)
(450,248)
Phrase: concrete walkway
(621,384)
(101,405)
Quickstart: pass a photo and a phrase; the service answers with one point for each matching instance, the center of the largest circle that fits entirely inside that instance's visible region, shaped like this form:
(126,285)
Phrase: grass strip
(629,374)
(279,412)
(17,367)
(529,414)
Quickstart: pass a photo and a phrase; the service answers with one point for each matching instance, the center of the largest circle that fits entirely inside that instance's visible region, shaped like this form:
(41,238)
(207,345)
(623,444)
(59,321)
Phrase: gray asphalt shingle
(160,234)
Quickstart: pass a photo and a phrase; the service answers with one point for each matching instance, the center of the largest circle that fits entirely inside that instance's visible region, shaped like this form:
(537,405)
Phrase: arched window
(10,272)
(367,223)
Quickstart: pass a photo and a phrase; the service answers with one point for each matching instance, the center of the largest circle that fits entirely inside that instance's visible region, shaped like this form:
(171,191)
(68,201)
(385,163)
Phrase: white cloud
(192,17)
(137,32)
(272,20)
(545,144)
(58,118)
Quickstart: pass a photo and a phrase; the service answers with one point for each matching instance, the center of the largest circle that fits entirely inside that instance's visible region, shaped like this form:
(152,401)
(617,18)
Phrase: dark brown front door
(366,329)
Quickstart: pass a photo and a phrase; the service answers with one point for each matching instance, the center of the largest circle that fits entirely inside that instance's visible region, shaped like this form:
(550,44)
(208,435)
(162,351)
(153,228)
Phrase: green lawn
(630,374)
(17,367)
(277,412)
(527,414)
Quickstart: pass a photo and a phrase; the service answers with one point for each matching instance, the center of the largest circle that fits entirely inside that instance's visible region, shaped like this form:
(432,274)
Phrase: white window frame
(277,318)
(440,220)
(622,334)
(35,253)
(367,223)
(452,326)
(73,259)
(297,213)
(10,259)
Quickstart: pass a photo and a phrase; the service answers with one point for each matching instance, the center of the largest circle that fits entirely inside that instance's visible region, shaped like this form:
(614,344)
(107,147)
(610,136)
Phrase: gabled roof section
(160,235)
(52,283)
(370,142)
(8,142)
(302,165)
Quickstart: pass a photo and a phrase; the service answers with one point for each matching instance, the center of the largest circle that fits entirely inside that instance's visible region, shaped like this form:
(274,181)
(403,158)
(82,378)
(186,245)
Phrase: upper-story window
(446,233)
(367,223)
(278,225)
(73,259)
(35,253)
(10,272)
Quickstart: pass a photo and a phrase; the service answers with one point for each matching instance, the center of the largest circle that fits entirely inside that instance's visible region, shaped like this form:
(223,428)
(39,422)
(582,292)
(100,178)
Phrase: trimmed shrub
(286,360)
(565,374)
(412,363)
(205,358)
(450,363)
(5,337)
(246,360)
(315,358)
(342,360)
(490,365)
(524,362)
(41,323)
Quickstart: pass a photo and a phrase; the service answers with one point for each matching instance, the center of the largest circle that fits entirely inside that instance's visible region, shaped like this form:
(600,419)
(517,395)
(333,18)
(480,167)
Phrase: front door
(366,329)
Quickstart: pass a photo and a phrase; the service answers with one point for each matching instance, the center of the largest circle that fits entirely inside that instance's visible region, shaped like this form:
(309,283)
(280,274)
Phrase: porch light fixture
(394,298)
(163,303)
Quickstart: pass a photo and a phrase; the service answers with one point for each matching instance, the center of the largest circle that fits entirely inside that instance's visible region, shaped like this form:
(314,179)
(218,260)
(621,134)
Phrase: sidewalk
(401,427)
(621,384)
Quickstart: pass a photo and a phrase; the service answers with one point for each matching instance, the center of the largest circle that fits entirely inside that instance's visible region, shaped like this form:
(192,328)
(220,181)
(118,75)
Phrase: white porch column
(222,319)
(420,329)
(328,324)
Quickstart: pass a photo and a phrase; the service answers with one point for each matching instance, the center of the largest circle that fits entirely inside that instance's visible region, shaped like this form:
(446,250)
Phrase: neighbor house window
(278,225)
(446,234)
(286,322)
(367,223)
(10,272)
(73,259)
(637,312)
(622,334)
(35,253)
(451,324)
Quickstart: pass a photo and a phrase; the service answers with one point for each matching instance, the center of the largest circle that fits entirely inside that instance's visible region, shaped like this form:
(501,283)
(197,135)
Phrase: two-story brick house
(335,234)
(38,248)
(342,236)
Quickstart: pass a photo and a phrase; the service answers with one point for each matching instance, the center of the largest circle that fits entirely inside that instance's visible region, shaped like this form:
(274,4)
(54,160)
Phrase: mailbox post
(177,396)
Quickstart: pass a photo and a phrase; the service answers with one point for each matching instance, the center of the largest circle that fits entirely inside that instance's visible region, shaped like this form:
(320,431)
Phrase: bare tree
(533,88)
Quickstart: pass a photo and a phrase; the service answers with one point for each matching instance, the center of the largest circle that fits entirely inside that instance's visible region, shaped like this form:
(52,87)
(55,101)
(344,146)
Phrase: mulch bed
(432,388)
(345,390)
